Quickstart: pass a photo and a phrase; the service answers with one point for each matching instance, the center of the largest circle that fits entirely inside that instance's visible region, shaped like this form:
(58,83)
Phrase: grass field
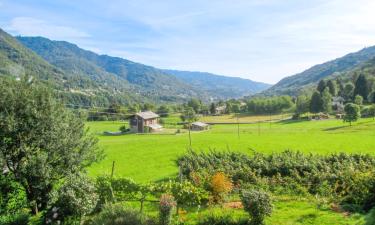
(151,157)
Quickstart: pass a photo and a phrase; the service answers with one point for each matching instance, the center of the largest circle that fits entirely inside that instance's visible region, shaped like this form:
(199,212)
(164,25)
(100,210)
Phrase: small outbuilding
(199,126)
(144,122)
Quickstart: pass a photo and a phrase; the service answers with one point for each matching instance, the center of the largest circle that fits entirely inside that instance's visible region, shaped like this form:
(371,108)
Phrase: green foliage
(352,113)
(115,214)
(316,103)
(362,87)
(189,115)
(29,112)
(358,100)
(185,193)
(258,204)
(75,198)
(12,196)
(220,217)
(327,101)
(332,86)
(269,105)
(322,85)
(348,91)
(339,173)
(15,219)
(302,104)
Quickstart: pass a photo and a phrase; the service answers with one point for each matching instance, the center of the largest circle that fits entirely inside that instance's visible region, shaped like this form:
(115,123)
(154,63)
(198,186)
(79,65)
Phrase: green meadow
(151,157)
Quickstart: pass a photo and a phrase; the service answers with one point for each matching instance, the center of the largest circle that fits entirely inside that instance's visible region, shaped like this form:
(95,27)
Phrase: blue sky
(263,40)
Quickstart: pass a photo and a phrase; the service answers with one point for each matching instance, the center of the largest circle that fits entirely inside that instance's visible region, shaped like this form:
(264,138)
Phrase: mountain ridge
(294,84)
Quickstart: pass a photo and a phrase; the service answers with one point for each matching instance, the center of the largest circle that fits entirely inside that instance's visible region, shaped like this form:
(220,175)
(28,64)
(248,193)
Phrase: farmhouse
(199,126)
(144,122)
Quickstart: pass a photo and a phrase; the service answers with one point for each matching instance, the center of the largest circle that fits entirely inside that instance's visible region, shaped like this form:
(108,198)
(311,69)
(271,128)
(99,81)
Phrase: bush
(15,219)
(221,185)
(166,205)
(75,198)
(118,215)
(220,217)
(258,204)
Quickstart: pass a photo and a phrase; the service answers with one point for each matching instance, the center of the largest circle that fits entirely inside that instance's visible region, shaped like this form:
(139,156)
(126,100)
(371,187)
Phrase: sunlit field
(151,157)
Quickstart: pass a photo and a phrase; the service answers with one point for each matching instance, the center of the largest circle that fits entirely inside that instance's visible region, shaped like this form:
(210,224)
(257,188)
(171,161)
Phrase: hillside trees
(348,91)
(321,86)
(302,104)
(326,101)
(40,141)
(332,85)
(269,105)
(362,87)
(316,104)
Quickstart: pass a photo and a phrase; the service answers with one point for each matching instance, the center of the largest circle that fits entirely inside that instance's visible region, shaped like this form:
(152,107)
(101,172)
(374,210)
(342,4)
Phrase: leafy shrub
(74,199)
(220,217)
(15,219)
(185,193)
(166,205)
(258,204)
(291,171)
(118,215)
(220,185)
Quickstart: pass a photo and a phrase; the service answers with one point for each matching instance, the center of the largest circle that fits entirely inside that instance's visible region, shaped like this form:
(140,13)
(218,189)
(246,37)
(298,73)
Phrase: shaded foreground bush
(349,179)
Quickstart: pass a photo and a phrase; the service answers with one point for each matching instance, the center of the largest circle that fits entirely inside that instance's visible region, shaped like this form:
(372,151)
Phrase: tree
(196,104)
(348,91)
(340,87)
(358,100)
(332,85)
(327,101)
(371,97)
(258,204)
(41,142)
(321,86)
(302,104)
(352,113)
(316,103)
(163,110)
(362,87)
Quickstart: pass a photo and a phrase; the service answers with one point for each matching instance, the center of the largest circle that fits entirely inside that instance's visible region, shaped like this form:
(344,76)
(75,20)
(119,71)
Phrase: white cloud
(28,26)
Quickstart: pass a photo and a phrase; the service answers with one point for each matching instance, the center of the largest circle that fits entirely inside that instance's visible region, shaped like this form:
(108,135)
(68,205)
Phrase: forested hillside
(294,84)
(228,87)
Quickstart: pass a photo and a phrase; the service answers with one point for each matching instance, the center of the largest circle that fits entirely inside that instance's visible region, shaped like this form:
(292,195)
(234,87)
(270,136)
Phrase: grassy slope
(151,157)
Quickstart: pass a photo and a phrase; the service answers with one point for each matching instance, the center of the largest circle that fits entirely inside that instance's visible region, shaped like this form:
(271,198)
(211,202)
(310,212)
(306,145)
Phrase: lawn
(151,157)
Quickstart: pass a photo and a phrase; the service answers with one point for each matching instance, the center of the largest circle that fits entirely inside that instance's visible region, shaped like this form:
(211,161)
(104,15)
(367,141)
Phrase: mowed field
(151,157)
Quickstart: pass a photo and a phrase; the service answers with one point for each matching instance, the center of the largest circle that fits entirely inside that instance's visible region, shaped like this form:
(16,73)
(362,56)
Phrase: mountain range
(84,77)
